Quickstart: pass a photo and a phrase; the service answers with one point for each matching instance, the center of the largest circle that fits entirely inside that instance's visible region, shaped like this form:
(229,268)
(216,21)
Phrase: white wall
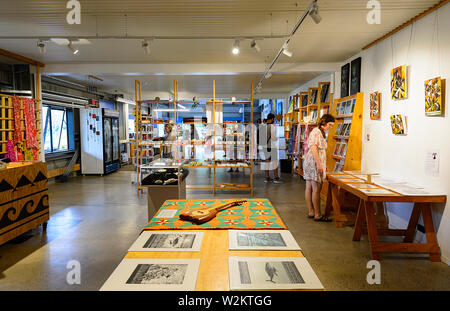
(325,77)
(427,56)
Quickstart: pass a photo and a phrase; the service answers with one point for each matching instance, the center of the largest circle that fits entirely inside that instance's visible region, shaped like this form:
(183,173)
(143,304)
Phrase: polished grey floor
(94,220)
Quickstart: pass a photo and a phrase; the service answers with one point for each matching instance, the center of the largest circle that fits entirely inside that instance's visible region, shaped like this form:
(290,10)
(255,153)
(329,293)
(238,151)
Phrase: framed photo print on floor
(168,241)
(154,275)
(266,273)
(262,240)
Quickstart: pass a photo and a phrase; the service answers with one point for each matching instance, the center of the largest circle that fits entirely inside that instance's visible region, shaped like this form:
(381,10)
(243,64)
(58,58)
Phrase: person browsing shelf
(169,139)
(314,166)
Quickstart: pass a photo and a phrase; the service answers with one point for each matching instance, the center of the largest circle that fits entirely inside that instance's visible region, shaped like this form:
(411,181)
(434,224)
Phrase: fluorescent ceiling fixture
(126,101)
(236,47)
(64,41)
(170,110)
(314,13)
(233,99)
(255,46)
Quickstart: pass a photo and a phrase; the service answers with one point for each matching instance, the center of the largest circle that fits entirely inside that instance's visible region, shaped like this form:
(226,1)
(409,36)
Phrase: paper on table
(166,213)
(350,180)
(364,186)
(377,192)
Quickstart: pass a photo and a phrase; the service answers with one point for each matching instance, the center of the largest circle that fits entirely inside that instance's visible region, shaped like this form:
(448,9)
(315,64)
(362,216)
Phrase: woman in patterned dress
(314,166)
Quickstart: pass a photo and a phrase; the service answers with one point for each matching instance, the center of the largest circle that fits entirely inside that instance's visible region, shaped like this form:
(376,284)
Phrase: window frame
(68,113)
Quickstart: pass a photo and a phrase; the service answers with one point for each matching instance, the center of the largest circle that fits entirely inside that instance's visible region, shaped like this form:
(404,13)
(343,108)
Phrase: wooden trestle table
(366,214)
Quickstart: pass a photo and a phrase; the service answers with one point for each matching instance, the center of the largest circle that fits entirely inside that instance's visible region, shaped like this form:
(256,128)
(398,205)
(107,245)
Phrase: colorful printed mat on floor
(258,214)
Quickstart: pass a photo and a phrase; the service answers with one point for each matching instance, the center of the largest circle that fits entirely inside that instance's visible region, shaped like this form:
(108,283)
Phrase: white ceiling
(178,26)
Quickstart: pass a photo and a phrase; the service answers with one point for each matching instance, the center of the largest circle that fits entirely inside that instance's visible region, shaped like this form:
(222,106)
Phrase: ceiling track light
(41,45)
(286,51)
(236,47)
(146,45)
(268,75)
(254,45)
(74,50)
(314,13)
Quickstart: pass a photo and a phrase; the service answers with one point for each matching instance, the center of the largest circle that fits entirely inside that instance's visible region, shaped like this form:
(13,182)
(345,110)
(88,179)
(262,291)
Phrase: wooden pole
(253,141)
(214,137)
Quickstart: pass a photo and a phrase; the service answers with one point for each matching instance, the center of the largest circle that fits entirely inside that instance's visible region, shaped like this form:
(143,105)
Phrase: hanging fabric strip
(11,152)
(17,123)
(30,122)
(35,155)
(305,144)
(297,139)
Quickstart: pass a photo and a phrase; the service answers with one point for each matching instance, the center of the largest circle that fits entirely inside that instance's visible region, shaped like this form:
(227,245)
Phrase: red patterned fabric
(35,155)
(17,124)
(11,152)
(30,123)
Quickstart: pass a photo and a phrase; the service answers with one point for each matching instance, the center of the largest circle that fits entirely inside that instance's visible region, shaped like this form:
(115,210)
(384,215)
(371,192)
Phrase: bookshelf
(312,105)
(345,138)
(227,138)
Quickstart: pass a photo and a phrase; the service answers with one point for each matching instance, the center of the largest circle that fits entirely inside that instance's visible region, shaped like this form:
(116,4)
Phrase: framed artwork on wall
(345,77)
(355,77)
(398,124)
(434,96)
(399,83)
(375,105)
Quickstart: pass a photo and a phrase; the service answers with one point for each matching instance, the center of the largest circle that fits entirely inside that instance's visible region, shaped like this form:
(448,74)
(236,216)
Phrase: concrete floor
(95,220)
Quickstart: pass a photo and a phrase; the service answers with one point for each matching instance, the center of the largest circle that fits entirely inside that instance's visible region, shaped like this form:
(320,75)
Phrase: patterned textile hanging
(30,123)
(11,151)
(291,140)
(17,123)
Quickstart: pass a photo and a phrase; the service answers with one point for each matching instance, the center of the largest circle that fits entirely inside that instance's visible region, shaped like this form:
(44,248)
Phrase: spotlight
(286,51)
(314,13)
(41,46)
(74,50)
(255,46)
(268,75)
(146,46)
(236,47)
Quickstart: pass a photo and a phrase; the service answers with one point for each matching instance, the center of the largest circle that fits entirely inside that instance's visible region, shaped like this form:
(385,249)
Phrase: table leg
(336,205)
(380,214)
(372,229)
(430,233)
(359,223)
(329,203)
(413,220)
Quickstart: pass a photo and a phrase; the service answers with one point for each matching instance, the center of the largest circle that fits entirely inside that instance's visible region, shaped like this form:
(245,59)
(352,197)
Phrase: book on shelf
(342,109)
(347,131)
(324,110)
(304,100)
(353,105)
(314,115)
(338,129)
(338,167)
(343,150)
(337,109)
(336,149)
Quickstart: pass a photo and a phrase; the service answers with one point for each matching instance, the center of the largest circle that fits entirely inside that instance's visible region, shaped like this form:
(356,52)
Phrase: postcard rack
(142,124)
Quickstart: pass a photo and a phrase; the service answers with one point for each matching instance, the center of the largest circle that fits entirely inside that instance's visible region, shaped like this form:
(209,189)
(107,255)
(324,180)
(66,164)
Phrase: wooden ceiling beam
(21,58)
(411,21)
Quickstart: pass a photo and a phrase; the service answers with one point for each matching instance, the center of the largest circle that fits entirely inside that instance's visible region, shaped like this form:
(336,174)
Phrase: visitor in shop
(268,154)
(314,167)
(169,140)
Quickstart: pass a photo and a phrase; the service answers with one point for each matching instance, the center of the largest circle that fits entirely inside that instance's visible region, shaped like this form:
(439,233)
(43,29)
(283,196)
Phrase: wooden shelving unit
(351,160)
(309,103)
(247,146)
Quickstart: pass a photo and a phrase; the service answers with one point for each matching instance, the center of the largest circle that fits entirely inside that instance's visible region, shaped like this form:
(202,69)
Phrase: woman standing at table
(314,166)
